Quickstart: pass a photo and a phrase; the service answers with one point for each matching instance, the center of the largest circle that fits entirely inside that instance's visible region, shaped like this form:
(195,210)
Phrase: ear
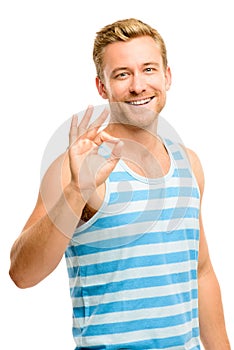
(168,78)
(101,88)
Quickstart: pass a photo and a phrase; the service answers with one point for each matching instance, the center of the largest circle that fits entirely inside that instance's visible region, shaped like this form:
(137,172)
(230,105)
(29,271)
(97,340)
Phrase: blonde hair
(124,30)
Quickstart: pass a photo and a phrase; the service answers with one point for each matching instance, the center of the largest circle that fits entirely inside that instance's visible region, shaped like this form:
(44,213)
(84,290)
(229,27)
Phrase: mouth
(141,102)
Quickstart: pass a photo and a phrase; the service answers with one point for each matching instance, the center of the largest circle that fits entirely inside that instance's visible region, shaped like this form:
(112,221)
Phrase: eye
(121,75)
(150,69)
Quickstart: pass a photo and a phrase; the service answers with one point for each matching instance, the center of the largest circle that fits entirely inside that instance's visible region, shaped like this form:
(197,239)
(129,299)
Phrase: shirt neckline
(148,180)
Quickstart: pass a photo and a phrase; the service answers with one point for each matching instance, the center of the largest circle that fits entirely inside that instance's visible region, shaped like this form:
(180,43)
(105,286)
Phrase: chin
(135,116)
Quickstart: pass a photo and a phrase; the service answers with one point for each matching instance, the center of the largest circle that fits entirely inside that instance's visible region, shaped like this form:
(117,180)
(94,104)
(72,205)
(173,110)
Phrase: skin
(136,81)
(136,74)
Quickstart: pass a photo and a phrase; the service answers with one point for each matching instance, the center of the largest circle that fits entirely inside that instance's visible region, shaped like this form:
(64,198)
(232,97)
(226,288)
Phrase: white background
(47,74)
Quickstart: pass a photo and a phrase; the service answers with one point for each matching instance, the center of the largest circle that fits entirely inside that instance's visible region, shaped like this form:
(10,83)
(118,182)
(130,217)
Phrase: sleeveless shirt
(133,266)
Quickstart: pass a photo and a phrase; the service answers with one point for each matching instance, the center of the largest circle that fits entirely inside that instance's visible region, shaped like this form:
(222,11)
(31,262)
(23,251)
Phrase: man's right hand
(88,168)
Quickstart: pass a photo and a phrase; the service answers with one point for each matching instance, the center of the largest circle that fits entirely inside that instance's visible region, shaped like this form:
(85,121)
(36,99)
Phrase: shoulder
(196,168)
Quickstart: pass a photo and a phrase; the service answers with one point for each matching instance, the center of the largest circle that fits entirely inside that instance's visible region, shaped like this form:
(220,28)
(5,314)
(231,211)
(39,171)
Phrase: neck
(146,136)
(143,150)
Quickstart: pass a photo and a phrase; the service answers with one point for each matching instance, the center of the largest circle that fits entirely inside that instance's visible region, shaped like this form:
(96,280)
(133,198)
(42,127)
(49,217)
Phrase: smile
(140,102)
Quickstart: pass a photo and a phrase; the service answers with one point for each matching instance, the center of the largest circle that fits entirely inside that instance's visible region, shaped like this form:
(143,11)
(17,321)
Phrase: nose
(137,84)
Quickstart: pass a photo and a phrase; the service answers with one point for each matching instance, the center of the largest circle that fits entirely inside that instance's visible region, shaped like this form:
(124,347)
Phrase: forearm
(211,315)
(40,247)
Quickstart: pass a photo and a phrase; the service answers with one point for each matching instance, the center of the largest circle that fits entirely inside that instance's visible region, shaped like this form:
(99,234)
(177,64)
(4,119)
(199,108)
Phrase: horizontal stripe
(153,237)
(179,338)
(136,249)
(152,204)
(122,327)
(146,216)
(126,176)
(160,193)
(157,206)
(177,155)
(137,304)
(132,315)
(129,316)
(135,262)
(101,237)
(151,343)
(134,294)
(135,283)
(136,185)
(182,173)
(99,280)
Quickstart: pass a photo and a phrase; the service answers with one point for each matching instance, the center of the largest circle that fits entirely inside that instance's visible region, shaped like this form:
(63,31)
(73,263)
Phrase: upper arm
(55,179)
(204,263)
(197,170)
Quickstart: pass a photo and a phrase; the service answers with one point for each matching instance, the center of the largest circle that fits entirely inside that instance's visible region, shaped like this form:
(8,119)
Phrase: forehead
(135,51)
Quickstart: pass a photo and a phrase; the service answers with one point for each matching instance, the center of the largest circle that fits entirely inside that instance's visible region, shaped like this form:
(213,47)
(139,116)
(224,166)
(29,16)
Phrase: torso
(153,166)
(136,248)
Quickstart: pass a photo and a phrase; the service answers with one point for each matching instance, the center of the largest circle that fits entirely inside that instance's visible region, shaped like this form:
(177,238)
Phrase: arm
(211,316)
(66,187)
(42,243)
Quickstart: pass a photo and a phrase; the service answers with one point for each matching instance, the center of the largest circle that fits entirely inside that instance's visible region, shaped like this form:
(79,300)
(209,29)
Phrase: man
(124,205)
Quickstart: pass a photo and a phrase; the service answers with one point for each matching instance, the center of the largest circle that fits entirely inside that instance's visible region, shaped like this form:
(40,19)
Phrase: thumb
(109,164)
(116,152)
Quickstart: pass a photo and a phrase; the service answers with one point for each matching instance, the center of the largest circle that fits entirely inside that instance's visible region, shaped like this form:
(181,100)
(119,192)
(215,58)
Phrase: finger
(116,151)
(96,125)
(73,130)
(105,137)
(83,126)
(110,163)
(101,119)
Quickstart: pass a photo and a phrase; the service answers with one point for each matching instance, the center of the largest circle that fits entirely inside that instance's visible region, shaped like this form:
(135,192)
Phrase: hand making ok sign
(88,168)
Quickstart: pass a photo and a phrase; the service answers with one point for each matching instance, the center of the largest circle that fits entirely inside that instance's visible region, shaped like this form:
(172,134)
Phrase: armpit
(87,214)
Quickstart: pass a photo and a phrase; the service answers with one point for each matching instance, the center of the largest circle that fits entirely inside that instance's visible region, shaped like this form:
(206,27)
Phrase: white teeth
(140,102)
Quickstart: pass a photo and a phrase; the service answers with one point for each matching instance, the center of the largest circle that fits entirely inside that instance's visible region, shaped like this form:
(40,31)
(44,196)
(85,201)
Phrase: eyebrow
(151,64)
(119,69)
(116,70)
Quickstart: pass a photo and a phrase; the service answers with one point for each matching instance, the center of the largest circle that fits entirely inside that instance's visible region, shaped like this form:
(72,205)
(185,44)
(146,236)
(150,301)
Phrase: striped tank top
(133,266)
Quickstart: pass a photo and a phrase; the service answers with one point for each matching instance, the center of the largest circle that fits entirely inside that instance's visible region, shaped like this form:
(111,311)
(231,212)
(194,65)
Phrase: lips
(140,102)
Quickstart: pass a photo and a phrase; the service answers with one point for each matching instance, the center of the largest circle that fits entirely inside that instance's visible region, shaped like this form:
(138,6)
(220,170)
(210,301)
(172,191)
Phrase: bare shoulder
(197,168)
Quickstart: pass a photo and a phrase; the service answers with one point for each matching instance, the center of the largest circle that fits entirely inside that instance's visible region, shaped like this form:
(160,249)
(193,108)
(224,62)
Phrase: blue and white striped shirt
(133,266)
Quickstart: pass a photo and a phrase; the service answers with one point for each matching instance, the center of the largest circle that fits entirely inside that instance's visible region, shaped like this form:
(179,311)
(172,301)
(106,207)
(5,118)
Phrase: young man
(124,205)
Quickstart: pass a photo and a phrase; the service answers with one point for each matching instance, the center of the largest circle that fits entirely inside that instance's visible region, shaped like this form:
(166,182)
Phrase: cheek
(156,81)
(118,89)
(162,84)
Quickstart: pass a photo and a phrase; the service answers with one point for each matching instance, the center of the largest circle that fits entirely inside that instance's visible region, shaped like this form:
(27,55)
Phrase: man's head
(132,71)
(124,30)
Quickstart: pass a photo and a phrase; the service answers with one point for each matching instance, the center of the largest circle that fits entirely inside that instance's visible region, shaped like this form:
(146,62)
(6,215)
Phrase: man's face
(134,76)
